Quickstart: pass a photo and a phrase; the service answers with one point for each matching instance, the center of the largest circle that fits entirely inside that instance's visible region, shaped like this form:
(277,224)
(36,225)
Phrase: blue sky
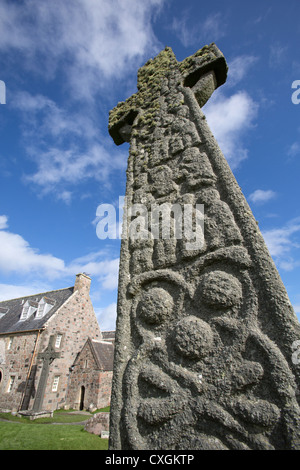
(65,64)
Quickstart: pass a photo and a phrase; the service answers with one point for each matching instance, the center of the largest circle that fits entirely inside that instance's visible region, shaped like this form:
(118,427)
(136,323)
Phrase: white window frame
(43,308)
(11,382)
(55,383)
(25,311)
(58,340)
(40,309)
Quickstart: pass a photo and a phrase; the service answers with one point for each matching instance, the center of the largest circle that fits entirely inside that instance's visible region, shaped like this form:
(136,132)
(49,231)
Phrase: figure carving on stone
(204,339)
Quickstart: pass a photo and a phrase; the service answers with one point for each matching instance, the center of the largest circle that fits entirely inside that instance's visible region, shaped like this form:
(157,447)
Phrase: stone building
(52,352)
(91,375)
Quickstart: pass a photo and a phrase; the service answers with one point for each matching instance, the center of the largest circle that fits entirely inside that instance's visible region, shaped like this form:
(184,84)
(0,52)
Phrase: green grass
(41,434)
(21,436)
(57,418)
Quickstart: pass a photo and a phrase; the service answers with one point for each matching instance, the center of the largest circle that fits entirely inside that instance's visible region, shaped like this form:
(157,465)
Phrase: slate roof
(108,336)
(104,351)
(11,323)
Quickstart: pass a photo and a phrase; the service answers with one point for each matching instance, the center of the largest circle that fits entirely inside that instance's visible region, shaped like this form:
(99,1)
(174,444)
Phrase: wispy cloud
(281,243)
(3,222)
(14,291)
(209,30)
(107,316)
(230,118)
(297,309)
(294,150)
(277,56)
(18,257)
(93,40)
(239,67)
(261,196)
(66,146)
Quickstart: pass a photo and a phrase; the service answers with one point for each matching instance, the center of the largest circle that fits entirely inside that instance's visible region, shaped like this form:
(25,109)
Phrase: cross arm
(204,71)
(121,119)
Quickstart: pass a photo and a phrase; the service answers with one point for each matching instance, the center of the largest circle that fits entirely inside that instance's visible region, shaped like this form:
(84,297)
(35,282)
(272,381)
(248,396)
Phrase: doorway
(82,392)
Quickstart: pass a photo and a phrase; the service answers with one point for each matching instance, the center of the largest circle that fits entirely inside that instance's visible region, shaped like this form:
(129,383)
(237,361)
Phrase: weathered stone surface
(204,341)
(98,423)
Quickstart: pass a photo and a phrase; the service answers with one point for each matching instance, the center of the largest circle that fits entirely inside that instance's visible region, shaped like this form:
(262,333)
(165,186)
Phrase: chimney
(82,283)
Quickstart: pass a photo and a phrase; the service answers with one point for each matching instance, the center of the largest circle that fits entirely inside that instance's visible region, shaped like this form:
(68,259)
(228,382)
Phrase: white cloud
(19,258)
(294,150)
(105,270)
(16,255)
(213,26)
(58,167)
(107,317)
(261,196)
(238,68)
(209,30)
(12,291)
(3,222)
(278,55)
(229,118)
(95,40)
(281,242)
(65,145)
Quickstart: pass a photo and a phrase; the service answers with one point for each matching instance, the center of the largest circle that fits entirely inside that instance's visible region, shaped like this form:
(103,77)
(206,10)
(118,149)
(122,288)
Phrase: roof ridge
(40,293)
(101,341)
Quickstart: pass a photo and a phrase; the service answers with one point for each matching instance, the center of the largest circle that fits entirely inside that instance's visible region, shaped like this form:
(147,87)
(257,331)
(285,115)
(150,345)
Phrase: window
(11,383)
(25,311)
(9,344)
(28,309)
(58,341)
(40,309)
(44,306)
(55,383)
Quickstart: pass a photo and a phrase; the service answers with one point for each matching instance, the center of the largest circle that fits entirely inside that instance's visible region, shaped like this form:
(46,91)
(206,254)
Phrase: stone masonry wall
(97,383)
(76,321)
(14,362)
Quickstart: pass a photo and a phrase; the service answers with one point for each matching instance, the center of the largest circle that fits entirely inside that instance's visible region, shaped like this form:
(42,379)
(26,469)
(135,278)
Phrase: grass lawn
(23,434)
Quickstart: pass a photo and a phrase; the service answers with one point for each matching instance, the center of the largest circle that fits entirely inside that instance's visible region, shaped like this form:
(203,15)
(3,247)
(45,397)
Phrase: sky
(65,64)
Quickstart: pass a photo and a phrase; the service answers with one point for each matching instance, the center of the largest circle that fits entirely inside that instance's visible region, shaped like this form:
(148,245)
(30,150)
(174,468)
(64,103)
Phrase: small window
(55,383)
(25,311)
(28,309)
(40,310)
(11,383)
(44,306)
(9,344)
(58,341)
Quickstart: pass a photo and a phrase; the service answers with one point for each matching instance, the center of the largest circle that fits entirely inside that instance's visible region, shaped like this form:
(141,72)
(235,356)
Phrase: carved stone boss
(204,339)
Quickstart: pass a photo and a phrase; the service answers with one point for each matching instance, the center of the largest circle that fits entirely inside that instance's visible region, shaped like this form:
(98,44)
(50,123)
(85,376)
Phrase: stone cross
(47,357)
(206,334)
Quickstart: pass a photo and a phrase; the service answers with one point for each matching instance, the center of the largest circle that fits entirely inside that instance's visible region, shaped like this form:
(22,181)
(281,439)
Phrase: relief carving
(204,335)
